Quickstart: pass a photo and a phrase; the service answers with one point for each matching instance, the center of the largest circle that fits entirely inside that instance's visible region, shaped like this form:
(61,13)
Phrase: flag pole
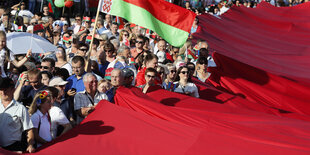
(92,39)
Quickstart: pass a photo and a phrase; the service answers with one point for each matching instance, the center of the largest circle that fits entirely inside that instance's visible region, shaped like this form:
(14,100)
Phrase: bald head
(117,77)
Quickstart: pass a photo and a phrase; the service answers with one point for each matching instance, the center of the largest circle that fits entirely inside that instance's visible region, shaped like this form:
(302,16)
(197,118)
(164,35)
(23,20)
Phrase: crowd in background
(47,94)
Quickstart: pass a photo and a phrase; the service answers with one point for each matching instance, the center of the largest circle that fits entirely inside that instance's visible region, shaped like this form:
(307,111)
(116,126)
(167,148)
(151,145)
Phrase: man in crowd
(136,52)
(25,94)
(14,119)
(113,31)
(85,101)
(48,64)
(117,78)
(75,82)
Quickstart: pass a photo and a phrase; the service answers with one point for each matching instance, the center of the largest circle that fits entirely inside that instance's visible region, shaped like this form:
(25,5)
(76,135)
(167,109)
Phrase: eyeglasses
(139,42)
(83,49)
(78,19)
(150,76)
(110,51)
(173,71)
(35,82)
(184,72)
(126,35)
(45,67)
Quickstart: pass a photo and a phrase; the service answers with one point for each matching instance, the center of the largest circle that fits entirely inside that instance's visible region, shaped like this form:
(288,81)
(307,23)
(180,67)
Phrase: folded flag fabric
(173,23)
(66,39)
(191,54)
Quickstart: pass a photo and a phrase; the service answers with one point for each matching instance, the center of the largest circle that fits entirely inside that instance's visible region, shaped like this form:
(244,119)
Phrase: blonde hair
(185,47)
(103,81)
(122,33)
(34,107)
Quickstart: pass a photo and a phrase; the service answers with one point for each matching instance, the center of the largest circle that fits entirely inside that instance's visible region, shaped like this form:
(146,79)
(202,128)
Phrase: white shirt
(14,119)
(45,126)
(68,67)
(57,118)
(190,87)
(2,58)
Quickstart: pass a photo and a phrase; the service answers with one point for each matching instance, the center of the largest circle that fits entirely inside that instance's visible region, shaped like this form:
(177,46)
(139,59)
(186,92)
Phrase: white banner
(105,6)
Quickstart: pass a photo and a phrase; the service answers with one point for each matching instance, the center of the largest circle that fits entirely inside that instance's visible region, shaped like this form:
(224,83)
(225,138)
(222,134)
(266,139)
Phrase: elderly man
(117,78)
(85,101)
(14,119)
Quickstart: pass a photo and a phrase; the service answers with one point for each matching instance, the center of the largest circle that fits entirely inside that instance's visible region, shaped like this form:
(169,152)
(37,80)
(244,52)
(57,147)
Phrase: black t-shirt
(27,94)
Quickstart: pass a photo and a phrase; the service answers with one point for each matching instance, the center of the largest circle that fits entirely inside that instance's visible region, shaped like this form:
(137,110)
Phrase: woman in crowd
(7,56)
(62,60)
(40,118)
(46,77)
(104,85)
(162,72)
(168,82)
(59,122)
(183,83)
(124,38)
(109,51)
(201,69)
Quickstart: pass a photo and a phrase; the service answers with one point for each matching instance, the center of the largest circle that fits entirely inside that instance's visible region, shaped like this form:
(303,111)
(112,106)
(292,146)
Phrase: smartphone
(73,89)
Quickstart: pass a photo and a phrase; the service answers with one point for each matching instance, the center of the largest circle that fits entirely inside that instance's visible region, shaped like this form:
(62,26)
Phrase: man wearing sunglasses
(136,52)
(82,50)
(48,64)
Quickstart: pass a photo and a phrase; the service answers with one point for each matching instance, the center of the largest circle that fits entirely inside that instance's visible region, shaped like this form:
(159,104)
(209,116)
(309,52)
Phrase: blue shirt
(103,67)
(73,82)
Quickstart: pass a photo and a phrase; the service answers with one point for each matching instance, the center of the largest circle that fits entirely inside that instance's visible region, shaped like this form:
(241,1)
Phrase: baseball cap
(6,83)
(57,81)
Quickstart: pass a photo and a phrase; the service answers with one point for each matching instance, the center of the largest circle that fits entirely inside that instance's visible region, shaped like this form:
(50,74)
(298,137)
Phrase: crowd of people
(44,95)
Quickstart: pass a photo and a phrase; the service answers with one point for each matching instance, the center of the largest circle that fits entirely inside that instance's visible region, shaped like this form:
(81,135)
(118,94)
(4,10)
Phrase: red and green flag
(20,29)
(86,19)
(88,39)
(191,54)
(173,23)
(66,39)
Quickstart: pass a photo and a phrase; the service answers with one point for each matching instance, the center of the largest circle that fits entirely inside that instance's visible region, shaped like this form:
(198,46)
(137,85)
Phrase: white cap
(57,81)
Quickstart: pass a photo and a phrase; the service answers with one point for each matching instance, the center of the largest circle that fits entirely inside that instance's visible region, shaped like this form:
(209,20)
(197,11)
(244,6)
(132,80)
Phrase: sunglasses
(161,72)
(139,42)
(110,51)
(126,35)
(150,76)
(78,19)
(33,81)
(173,71)
(83,49)
(45,67)
(184,72)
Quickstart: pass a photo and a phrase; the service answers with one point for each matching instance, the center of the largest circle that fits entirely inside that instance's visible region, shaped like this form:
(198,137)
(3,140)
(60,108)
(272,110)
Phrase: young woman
(183,83)
(201,69)
(40,118)
(7,56)
(46,77)
(124,38)
(104,85)
(62,60)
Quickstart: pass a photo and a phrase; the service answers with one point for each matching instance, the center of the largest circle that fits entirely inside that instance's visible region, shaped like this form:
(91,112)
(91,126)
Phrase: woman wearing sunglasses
(40,118)
(168,82)
(201,69)
(183,83)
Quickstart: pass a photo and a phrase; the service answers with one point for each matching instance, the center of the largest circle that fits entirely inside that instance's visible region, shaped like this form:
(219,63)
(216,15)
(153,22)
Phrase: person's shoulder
(54,110)
(71,77)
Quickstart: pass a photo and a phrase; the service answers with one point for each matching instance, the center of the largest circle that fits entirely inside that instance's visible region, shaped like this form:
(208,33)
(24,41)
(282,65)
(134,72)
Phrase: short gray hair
(122,49)
(121,72)
(85,77)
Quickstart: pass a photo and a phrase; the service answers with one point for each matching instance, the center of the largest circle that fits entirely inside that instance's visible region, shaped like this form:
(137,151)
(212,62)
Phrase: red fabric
(139,124)
(168,13)
(169,57)
(267,63)
(93,3)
